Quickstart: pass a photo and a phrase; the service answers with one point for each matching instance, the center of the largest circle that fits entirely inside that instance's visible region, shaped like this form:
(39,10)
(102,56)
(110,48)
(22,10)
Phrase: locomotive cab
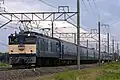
(22,49)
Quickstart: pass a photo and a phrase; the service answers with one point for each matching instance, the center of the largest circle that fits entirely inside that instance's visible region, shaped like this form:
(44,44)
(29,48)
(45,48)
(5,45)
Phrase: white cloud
(20,7)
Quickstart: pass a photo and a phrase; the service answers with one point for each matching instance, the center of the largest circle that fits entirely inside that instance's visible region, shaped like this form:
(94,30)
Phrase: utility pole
(99,42)
(106,25)
(113,50)
(118,50)
(78,33)
(108,46)
(87,49)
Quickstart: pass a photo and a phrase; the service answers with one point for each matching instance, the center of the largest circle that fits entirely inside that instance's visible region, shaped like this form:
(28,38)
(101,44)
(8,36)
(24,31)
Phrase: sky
(108,10)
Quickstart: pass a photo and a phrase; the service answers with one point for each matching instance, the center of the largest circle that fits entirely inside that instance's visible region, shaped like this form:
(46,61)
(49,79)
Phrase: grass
(3,64)
(110,72)
(106,72)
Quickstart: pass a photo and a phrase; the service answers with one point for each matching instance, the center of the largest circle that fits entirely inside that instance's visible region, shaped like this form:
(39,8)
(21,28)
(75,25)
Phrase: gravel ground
(23,74)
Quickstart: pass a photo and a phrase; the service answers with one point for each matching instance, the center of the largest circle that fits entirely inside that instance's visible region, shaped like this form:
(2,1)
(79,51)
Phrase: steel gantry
(36,16)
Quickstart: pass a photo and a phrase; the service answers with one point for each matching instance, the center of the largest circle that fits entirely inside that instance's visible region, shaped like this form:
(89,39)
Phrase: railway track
(83,66)
(20,74)
(6,68)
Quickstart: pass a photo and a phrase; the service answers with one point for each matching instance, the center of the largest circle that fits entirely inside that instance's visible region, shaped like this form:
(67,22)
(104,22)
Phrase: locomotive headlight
(28,34)
(31,50)
(13,34)
(11,50)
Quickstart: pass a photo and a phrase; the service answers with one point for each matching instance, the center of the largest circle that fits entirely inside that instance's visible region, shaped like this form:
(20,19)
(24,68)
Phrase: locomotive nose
(21,47)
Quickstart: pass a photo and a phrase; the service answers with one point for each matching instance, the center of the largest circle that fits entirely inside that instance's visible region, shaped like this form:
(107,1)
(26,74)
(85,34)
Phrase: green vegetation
(110,72)
(3,64)
(4,57)
(106,72)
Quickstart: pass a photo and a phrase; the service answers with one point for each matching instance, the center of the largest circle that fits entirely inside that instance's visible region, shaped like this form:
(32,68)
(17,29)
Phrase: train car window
(41,45)
(30,40)
(51,46)
(21,39)
(45,44)
(57,47)
(57,43)
(54,46)
(46,41)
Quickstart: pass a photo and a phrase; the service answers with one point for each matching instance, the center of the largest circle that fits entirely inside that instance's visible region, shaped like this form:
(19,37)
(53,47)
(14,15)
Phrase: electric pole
(78,34)
(87,49)
(118,50)
(99,42)
(106,25)
(113,50)
(108,46)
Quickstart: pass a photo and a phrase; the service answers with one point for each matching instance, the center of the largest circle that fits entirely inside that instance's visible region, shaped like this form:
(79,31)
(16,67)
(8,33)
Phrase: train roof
(35,33)
(39,34)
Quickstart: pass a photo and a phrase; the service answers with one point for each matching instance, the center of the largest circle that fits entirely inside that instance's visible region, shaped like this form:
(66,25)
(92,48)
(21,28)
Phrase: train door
(38,46)
(59,49)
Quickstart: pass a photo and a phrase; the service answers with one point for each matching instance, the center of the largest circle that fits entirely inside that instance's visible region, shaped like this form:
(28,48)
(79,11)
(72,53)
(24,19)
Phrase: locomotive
(34,49)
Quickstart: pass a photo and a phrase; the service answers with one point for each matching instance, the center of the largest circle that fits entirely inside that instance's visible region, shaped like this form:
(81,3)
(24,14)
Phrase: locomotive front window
(13,40)
(22,40)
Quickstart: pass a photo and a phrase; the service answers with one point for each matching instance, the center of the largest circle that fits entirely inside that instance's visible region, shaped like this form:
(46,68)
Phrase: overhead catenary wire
(54,7)
(71,18)
(3,44)
(115,22)
(47,4)
(13,27)
(85,6)
(91,8)
(97,9)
